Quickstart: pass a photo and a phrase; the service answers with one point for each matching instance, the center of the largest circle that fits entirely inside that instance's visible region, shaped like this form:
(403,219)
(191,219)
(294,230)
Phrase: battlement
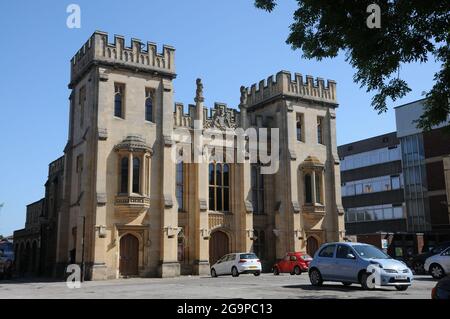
(98,50)
(284,85)
(220,116)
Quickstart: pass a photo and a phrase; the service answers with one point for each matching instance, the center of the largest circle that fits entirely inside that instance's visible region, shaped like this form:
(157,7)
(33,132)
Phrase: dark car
(6,259)
(417,262)
(442,289)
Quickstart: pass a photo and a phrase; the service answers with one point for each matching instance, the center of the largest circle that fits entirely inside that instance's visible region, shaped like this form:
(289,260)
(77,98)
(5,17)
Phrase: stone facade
(130,210)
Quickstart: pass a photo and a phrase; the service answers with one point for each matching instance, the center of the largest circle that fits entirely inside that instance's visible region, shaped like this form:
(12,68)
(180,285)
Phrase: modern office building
(396,187)
(426,168)
(372,185)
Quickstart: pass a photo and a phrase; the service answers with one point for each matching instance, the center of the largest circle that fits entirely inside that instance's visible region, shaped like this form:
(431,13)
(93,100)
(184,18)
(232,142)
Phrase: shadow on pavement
(353,288)
(29,280)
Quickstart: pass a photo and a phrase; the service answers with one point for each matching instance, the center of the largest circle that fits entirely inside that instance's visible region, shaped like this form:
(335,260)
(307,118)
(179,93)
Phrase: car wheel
(213,273)
(256,274)
(297,270)
(234,272)
(418,268)
(346,284)
(436,271)
(401,288)
(315,277)
(364,279)
(276,271)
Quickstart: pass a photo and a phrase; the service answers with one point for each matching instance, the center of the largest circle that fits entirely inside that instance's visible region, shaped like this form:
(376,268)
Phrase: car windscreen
(248,256)
(368,251)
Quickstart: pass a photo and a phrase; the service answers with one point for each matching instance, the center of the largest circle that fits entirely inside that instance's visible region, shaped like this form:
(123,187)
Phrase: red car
(293,263)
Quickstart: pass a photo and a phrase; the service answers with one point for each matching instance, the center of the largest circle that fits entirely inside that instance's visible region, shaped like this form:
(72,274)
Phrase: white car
(438,265)
(237,263)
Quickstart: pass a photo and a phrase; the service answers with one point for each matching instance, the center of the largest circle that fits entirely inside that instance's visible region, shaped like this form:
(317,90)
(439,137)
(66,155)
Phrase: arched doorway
(129,251)
(311,245)
(218,246)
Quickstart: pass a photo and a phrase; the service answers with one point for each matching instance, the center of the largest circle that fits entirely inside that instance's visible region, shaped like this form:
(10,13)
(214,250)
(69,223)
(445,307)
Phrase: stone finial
(199,93)
(243,96)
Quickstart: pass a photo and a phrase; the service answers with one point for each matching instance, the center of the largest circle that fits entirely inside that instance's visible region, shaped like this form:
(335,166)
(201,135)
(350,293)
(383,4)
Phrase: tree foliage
(411,31)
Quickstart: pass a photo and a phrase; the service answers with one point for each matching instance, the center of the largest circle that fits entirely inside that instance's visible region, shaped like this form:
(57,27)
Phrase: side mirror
(351,256)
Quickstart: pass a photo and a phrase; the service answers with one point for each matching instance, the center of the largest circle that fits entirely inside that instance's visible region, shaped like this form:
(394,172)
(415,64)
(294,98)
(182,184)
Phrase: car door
(326,262)
(218,265)
(444,260)
(229,263)
(284,263)
(346,264)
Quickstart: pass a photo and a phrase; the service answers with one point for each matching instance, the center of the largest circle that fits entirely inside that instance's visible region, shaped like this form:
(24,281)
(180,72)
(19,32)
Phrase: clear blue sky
(226,43)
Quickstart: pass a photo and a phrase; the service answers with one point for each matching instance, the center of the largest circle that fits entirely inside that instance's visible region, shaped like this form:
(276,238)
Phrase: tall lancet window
(148,105)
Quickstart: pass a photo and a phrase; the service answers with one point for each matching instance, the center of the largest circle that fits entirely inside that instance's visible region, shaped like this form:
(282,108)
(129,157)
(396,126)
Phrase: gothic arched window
(148,106)
(257,182)
(219,187)
(118,100)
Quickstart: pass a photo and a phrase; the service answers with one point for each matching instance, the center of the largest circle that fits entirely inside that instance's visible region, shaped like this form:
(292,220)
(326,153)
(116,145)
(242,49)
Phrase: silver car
(358,263)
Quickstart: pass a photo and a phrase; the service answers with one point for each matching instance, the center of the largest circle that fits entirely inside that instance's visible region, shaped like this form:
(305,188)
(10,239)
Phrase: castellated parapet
(97,50)
(297,87)
(221,116)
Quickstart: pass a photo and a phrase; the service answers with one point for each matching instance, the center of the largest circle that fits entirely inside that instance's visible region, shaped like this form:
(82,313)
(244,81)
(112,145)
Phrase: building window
(257,180)
(124,175)
(119,92)
(318,184)
(299,128)
(148,105)
(82,102)
(259,243)
(79,169)
(374,213)
(308,191)
(320,130)
(219,187)
(136,174)
(180,185)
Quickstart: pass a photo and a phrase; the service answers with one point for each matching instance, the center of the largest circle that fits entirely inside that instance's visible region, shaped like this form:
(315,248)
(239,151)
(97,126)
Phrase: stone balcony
(133,204)
(313,214)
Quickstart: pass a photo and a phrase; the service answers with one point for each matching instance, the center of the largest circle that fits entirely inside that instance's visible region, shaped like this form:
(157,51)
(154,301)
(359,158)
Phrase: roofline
(396,107)
(369,138)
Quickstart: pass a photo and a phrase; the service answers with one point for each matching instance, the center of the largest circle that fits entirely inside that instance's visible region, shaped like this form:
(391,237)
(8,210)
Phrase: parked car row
(348,263)
(417,262)
(6,260)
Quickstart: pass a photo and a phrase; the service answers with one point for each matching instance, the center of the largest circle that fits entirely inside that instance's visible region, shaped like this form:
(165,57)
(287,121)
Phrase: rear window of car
(248,256)
(327,251)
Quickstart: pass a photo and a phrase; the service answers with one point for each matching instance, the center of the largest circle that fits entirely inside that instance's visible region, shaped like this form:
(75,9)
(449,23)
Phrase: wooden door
(129,251)
(218,246)
(311,246)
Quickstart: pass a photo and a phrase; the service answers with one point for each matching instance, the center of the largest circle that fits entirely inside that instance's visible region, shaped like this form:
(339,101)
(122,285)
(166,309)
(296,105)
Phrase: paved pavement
(187,287)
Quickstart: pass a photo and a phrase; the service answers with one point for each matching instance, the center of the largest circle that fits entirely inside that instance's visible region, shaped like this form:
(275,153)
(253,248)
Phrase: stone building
(130,209)
(35,245)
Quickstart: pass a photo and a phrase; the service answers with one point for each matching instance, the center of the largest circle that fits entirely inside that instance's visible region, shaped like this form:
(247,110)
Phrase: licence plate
(253,267)
(401,277)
